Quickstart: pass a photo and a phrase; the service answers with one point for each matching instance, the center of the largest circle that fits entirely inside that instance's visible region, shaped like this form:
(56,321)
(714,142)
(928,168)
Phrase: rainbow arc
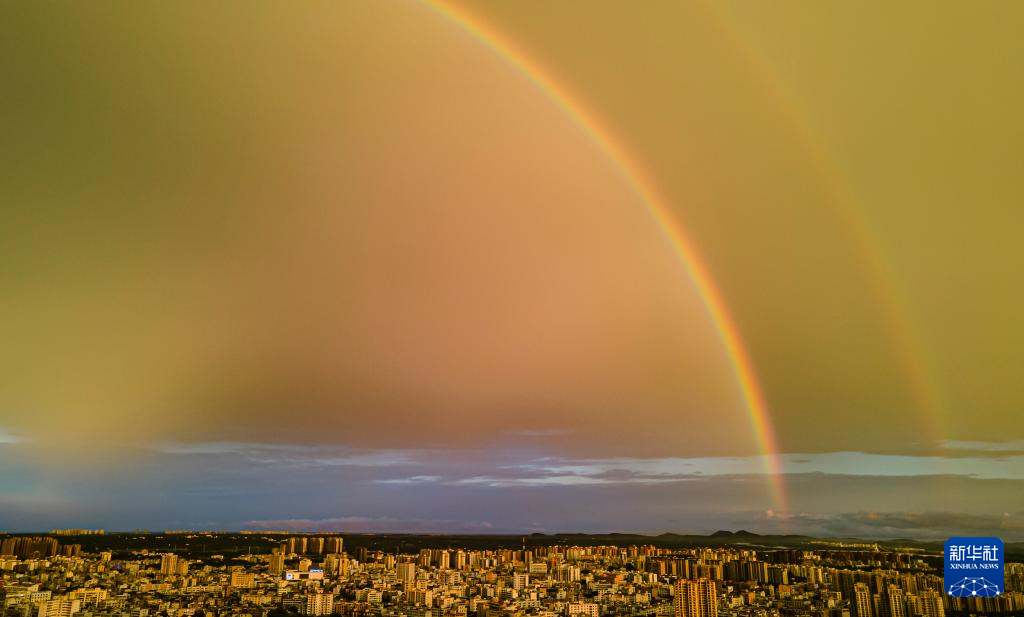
(724,323)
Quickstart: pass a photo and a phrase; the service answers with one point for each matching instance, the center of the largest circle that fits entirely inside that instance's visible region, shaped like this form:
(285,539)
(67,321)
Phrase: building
(276,564)
(296,545)
(62,607)
(25,547)
(861,602)
(319,604)
(89,596)
(313,574)
(894,602)
(423,597)
(932,604)
(406,572)
(584,609)
(520,581)
(240,579)
(333,545)
(335,565)
(696,598)
(168,564)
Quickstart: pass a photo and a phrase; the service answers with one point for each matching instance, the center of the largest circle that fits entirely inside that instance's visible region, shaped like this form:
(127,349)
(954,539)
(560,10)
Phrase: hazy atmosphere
(512,267)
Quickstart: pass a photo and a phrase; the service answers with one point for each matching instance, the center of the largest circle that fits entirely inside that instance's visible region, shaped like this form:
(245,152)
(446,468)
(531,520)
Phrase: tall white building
(406,572)
(319,604)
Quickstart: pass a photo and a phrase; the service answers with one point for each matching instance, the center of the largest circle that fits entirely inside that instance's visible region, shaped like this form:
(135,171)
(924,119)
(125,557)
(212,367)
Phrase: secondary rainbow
(904,335)
(743,368)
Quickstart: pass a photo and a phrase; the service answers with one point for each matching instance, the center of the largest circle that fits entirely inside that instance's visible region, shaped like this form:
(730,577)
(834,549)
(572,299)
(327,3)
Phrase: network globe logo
(974,567)
(973,587)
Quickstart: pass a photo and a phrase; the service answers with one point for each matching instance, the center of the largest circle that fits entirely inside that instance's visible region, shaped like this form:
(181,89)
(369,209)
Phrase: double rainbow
(725,325)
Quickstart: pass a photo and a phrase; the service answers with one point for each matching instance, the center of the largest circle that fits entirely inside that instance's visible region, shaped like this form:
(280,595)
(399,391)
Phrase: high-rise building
(168,564)
(696,598)
(71,550)
(406,572)
(334,545)
(861,602)
(520,581)
(315,546)
(332,565)
(844,580)
(24,547)
(894,603)
(276,564)
(932,604)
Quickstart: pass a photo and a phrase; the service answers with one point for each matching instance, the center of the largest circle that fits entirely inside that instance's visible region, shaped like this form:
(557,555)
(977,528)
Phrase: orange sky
(358,228)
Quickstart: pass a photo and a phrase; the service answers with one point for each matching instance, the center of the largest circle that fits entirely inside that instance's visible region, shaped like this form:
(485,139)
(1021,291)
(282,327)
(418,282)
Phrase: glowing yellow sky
(351,228)
(801,143)
(357,225)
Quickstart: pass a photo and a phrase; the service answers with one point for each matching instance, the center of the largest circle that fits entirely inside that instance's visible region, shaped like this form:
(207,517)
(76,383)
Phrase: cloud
(557,480)
(834,463)
(297,454)
(7,437)
(1000,447)
(224,447)
(367,524)
(245,483)
(512,468)
(410,480)
(912,525)
(543,432)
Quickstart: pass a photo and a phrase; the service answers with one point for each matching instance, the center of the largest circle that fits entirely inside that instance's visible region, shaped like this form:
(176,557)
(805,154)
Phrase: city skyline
(508,267)
(273,575)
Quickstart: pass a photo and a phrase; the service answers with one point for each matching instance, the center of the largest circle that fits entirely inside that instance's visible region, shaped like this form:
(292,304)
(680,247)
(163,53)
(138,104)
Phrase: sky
(410,266)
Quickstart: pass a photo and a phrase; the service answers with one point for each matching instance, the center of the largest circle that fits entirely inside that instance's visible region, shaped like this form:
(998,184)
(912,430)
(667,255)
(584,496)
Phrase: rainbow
(905,338)
(724,323)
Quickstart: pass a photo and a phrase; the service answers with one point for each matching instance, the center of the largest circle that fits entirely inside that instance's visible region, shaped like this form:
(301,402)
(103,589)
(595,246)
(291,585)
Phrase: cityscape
(83,573)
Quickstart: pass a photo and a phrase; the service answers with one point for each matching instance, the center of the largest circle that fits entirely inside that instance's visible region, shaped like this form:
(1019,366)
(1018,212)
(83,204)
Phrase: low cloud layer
(915,525)
(365,524)
(237,485)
